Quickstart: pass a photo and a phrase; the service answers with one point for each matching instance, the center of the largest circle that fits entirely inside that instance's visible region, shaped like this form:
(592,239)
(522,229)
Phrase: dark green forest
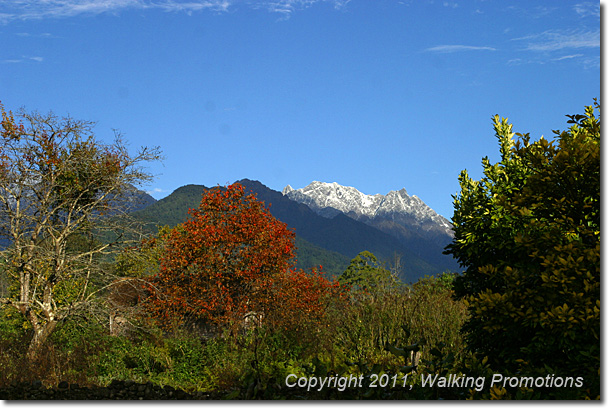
(232,303)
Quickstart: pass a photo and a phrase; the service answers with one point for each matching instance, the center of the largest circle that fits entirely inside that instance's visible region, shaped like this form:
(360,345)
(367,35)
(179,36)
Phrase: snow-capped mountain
(398,213)
(330,241)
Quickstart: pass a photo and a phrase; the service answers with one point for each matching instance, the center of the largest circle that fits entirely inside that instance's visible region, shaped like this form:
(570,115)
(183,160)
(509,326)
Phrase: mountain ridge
(323,195)
(347,235)
(332,242)
(405,217)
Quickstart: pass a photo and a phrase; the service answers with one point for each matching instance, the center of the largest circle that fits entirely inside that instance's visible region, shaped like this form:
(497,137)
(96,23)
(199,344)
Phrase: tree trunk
(41,334)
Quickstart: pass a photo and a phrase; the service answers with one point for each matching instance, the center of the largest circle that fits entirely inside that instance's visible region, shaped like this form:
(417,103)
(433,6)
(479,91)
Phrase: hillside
(330,242)
(403,216)
(349,236)
(173,210)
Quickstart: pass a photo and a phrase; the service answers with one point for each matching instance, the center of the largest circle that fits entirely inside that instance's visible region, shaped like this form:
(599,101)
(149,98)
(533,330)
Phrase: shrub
(528,234)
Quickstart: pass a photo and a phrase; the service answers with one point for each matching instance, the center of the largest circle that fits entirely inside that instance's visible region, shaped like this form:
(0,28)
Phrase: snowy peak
(394,208)
(321,195)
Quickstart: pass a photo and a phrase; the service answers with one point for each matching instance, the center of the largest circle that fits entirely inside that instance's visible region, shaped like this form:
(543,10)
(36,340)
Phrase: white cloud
(554,40)
(287,7)
(582,47)
(515,61)
(591,62)
(220,5)
(157,192)
(41,9)
(454,48)
(41,35)
(6,18)
(587,9)
(24,59)
(568,57)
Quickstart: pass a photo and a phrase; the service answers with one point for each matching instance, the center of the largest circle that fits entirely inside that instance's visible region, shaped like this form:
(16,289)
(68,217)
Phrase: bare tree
(64,198)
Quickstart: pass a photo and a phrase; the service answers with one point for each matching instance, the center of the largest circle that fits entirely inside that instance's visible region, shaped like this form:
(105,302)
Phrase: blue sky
(378,95)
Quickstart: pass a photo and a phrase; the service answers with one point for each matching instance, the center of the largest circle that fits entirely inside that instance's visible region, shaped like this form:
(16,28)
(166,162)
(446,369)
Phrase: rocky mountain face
(405,217)
(345,235)
(331,237)
(328,199)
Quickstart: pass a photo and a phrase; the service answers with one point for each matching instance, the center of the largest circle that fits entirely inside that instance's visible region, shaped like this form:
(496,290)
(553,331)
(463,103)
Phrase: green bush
(435,317)
(364,325)
(528,234)
(426,310)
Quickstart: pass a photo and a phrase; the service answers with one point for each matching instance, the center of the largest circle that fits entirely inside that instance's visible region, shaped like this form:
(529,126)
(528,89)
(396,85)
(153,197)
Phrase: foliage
(367,274)
(435,317)
(70,353)
(297,301)
(215,264)
(425,314)
(142,260)
(4,282)
(528,302)
(171,210)
(365,325)
(58,185)
(528,234)
(309,255)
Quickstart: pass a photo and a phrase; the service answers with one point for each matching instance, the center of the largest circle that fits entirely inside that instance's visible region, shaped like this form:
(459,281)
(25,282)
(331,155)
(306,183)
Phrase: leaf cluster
(528,236)
(366,273)
(214,266)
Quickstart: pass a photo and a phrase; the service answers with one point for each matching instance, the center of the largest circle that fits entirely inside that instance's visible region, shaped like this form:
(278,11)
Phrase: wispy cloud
(24,59)
(591,62)
(555,40)
(41,35)
(6,18)
(587,9)
(41,9)
(515,61)
(157,192)
(288,7)
(568,57)
(189,7)
(582,47)
(455,48)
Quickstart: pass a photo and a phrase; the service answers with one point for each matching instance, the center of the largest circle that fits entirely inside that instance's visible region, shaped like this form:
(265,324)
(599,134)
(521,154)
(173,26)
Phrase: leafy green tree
(366,273)
(528,236)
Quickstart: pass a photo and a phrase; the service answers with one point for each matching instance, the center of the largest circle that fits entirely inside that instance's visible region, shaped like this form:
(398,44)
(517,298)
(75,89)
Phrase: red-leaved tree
(215,264)
(298,301)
